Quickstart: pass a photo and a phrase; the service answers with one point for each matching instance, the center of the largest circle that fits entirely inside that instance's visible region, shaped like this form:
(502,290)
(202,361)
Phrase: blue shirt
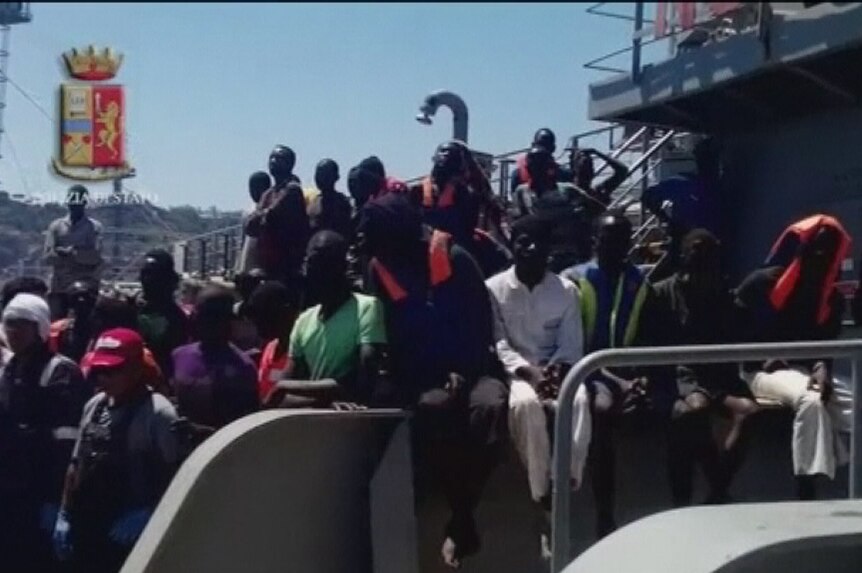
(435,331)
(695,205)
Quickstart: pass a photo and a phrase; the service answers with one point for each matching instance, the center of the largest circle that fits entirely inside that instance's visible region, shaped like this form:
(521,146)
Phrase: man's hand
(65,251)
(636,396)
(548,389)
(821,381)
(61,536)
(455,384)
(533,375)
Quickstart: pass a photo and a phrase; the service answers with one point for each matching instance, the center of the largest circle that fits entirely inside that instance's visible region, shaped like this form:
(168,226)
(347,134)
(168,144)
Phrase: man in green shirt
(338,342)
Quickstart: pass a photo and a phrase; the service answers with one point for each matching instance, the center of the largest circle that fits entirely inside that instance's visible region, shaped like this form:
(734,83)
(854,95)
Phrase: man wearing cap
(124,459)
(73,247)
(161,322)
(41,396)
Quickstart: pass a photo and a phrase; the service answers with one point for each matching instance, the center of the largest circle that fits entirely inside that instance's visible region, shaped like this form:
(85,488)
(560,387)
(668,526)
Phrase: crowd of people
(432,297)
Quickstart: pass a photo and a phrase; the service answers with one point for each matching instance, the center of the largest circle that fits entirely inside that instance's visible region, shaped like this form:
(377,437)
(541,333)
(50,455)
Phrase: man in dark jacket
(41,397)
(439,323)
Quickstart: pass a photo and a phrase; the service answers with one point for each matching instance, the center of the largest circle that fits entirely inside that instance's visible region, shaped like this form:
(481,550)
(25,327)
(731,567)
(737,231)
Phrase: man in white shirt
(539,335)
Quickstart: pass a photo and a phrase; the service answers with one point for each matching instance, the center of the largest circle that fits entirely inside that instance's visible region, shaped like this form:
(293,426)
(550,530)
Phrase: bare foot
(448,553)
(546,548)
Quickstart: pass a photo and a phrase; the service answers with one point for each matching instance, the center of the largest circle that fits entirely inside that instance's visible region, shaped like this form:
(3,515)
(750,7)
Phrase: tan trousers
(817,445)
(529,430)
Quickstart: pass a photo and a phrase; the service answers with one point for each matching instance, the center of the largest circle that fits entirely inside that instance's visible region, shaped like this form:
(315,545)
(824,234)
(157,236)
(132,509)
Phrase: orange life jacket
(524,173)
(439,267)
(446,198)
(803,231)
(271,369)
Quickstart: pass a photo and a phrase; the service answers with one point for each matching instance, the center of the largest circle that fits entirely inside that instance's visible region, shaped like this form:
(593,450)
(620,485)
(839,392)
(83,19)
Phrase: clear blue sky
(211,88)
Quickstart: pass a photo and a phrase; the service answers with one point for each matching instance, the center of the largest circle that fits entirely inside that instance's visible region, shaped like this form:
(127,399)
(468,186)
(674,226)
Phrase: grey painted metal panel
(776,537)
(796,37)
(773,177)
(310,491)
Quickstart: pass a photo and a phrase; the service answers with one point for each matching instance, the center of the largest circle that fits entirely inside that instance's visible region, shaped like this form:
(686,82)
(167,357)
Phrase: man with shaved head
(280,221)
(330,209)
(340,339)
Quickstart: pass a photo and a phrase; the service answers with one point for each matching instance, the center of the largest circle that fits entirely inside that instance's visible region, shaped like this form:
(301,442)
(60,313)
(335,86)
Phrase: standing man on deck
(545,139)
(73,247)
(280,221)
(258,183)
(329,209)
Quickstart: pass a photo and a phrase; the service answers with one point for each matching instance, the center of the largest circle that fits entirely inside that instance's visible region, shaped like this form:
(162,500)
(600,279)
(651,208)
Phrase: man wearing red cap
(123,461)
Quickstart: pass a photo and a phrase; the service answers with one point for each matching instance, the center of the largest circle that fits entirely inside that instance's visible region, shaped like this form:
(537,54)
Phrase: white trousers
(529,430)
(817,446)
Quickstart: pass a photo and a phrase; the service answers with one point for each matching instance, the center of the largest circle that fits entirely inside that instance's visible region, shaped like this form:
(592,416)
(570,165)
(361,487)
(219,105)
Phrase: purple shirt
(215,386)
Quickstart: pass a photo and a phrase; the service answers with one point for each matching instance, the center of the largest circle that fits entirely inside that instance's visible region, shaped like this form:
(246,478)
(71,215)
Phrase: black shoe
(605,527)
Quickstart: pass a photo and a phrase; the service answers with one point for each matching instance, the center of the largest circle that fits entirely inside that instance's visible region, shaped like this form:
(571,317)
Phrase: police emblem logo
(92,126)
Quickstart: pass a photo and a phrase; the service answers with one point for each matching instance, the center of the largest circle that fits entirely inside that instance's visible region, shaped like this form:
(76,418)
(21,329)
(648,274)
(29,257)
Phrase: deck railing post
(561,462)
(636,42)
(856,433)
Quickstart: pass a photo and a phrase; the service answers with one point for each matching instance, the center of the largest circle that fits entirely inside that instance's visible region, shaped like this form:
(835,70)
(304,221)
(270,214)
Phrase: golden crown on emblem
(92,64)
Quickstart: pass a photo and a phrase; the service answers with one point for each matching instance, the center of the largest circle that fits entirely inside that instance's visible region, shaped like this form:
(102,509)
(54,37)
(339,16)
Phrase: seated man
(538,333)
(696,307)
(794,298)
(213,381)
(339,339)
(439,324)
(616,301)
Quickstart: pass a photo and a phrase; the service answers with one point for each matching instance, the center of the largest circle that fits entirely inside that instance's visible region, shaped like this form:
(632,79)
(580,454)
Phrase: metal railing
(851,349)
(214,252)
(643,28)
